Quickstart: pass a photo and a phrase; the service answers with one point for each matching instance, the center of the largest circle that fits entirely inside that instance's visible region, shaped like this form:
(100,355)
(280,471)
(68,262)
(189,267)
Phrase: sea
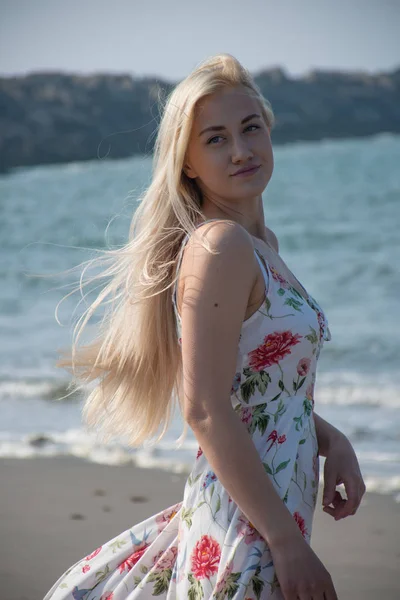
(335,208)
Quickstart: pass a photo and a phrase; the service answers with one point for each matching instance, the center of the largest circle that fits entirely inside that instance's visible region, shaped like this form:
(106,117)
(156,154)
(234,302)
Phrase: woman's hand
(341,466)
(300,572)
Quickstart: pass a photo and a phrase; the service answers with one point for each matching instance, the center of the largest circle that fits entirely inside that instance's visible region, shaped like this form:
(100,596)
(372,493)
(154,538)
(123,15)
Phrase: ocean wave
(165,455)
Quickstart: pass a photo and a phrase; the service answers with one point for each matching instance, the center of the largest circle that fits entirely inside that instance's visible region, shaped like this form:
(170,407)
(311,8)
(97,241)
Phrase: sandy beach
(53,511)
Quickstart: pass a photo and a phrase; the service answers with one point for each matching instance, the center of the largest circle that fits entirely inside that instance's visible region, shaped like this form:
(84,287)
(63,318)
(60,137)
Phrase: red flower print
(246,529)
(131,561)
(246,414)
(274,348)
(199,452)
(303,366)
(278,277)
(167,516)
(205,557)
(94,553)
(321,323)
(300,522)
(85,568)
(274,437)
(223,580)
(107,596)
(165,559)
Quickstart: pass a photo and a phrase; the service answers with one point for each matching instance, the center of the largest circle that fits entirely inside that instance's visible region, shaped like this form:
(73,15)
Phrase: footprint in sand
(139,499)
(77,517)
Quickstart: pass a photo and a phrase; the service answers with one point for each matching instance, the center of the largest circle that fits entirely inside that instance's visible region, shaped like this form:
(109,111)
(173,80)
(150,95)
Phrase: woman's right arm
(215,298)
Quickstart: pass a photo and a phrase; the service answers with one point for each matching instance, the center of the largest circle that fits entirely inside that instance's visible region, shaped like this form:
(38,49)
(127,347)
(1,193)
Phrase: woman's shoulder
(220,229)
(217,249)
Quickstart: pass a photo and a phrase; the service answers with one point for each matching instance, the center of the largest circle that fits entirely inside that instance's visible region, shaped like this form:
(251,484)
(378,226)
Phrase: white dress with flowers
(204,547)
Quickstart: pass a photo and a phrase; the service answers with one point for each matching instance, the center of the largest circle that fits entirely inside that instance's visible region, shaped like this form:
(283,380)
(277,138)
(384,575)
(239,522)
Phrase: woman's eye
(218,136)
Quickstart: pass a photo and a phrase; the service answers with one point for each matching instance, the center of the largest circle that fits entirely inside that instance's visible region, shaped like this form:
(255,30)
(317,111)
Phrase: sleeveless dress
(204,547)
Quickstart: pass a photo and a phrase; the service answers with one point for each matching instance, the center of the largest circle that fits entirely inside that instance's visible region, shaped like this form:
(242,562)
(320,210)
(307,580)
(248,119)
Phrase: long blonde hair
(136,356)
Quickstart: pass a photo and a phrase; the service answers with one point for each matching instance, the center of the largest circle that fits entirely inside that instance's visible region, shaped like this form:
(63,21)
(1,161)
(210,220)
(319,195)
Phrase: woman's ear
(189,172)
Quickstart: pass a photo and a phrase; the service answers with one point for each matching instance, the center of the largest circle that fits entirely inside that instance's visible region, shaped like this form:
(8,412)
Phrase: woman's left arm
(341,466)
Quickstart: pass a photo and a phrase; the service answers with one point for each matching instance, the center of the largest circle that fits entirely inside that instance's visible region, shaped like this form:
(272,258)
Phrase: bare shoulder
(229,243)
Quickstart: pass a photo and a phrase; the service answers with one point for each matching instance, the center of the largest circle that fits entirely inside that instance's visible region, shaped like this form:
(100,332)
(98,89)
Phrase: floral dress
(204,547)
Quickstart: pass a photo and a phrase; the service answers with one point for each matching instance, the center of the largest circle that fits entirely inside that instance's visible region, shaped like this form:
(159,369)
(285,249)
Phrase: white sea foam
(382,475)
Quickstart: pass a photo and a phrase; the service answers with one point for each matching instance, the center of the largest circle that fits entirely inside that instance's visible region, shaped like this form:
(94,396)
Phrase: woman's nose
(241,149)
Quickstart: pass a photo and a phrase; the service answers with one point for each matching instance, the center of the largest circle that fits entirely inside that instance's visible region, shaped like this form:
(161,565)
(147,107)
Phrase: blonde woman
(201,308)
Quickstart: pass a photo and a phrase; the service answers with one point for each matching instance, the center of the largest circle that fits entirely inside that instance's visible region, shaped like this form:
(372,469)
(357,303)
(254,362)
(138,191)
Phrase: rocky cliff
(56,117)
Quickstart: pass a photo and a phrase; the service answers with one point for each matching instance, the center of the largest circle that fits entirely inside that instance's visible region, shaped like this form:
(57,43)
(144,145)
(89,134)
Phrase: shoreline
(55,510)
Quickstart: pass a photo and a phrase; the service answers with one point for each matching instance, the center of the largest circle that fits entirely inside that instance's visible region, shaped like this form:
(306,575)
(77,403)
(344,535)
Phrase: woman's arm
(326,434)
(215,297)
(214,303)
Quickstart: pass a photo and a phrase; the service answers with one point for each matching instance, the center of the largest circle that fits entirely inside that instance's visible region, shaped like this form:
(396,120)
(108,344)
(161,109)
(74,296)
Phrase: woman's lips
(248,172)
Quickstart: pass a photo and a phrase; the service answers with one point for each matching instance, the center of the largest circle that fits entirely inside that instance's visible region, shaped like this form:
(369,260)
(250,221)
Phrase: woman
(239,344)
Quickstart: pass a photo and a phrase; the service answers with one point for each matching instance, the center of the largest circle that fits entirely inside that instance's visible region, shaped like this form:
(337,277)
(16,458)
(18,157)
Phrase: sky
(167,39)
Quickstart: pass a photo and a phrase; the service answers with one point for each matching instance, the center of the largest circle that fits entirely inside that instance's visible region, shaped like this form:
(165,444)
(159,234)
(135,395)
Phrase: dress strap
(264,269)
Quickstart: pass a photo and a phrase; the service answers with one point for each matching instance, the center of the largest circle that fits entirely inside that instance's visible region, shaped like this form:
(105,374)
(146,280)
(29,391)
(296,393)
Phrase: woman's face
(214,156)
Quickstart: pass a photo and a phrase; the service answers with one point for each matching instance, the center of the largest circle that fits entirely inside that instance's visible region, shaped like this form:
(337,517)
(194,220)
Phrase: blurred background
(80,84)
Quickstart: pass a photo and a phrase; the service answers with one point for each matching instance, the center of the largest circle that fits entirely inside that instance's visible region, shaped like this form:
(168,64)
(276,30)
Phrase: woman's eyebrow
(221,127)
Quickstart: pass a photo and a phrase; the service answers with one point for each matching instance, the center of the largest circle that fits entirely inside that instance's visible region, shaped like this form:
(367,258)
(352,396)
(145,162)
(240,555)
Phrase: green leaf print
(297,386)
(187,516)
(282,466)
(299,422)
(280,411)
(100,575)
(162,579)
(116,545)
(136,580)
(275,583)
(212,488)
(302,441)
(195,592)
(257,584)
(260,423)
(307,407)
(144,569)
(259,379)
(230,588)
(218,506)
(267,468)
(312,337)
(281,291)
(294,303)
(305,481)
(192,481)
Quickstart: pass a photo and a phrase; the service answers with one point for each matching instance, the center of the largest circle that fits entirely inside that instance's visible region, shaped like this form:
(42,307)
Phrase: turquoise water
(335,207)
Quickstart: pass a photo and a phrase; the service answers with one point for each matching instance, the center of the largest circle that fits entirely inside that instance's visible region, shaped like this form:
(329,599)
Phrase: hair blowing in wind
(134,358)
